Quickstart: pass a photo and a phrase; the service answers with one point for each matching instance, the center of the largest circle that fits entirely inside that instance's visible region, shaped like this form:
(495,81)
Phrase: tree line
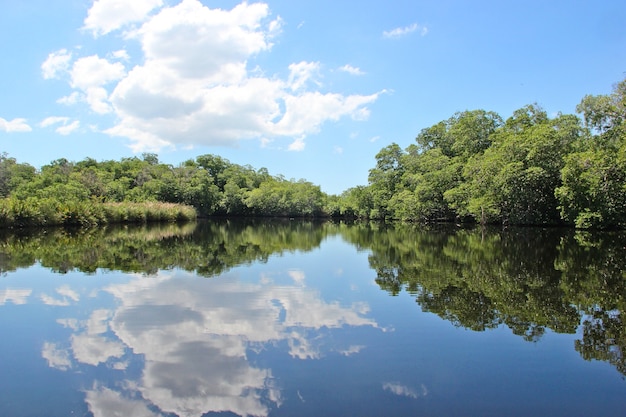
(529,169)
(210,184)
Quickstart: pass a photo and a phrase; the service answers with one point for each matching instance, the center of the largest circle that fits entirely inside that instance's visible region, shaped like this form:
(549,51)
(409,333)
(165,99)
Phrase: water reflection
(151,336)
(193,338)
(530,280)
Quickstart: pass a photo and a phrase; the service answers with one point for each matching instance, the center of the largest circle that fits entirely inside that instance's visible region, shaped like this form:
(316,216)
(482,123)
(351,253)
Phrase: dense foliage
(92,192)
(528,169)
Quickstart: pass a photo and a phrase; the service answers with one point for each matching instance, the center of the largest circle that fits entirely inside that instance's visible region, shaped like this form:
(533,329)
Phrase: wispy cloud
(406,30)
(66,127)
(404,391)
(15,295)
(351,70)
(15,125)
(297,145)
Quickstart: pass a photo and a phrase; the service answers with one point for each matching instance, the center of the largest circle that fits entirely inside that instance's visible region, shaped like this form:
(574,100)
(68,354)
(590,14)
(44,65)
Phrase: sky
(308,89)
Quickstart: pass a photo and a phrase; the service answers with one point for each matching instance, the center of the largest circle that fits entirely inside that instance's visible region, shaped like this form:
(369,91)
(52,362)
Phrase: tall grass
(16,213)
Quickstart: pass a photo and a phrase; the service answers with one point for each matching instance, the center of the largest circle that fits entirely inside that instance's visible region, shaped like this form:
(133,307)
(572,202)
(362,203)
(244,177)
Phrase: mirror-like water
(304,319)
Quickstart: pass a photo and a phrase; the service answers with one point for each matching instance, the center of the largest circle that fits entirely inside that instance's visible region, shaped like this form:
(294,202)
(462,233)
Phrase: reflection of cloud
(56,357)
(69,323)
(66,292)
(404,391)
(15,295)
(91,347)
(93,350)
(104,402)
(98,322)
(51,301)
(297,276)
(195,335)
(352,350)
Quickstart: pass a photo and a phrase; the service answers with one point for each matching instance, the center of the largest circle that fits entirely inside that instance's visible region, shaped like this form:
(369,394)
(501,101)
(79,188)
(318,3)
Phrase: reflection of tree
(593,278)
(477,278)
(208,248)
(604,339)
(528,279)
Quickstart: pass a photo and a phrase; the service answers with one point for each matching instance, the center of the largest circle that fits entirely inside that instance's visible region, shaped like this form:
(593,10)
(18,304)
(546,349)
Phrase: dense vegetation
(473,167)
(528,169)
(143,189)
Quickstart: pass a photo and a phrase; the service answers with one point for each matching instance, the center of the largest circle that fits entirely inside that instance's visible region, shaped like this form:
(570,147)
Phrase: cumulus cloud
(194,83)
(57,63)
(403,31)
(15,125)
(105,16)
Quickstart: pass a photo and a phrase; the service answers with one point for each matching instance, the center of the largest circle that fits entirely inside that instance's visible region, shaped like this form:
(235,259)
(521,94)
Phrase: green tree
(593,191)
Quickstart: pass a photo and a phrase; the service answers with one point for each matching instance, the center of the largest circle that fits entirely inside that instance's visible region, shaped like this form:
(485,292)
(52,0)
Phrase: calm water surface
(306,319)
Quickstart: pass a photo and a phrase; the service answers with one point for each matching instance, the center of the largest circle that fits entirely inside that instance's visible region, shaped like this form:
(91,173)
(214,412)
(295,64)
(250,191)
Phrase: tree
(593,193)
(384,178)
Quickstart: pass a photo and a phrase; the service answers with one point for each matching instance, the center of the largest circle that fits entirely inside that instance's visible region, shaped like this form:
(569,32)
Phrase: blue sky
(306,89)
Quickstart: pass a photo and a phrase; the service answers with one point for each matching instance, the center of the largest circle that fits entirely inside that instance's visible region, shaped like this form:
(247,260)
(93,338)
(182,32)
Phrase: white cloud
(51,301)
(297,145)
(65,291)
(67,129)
(297,276)
(108,15)
(90,74)
(49,121)
(56,357)
(104,402)
(301,73)
(194,86)
(15,125)
(15,295)
(308,111)
(352,350)
(351,70)
(95,349)
(93,71)
(338,150)
(121,55)
(404,391)
(194,339)
(73,98)
(56,63)
(403,31)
